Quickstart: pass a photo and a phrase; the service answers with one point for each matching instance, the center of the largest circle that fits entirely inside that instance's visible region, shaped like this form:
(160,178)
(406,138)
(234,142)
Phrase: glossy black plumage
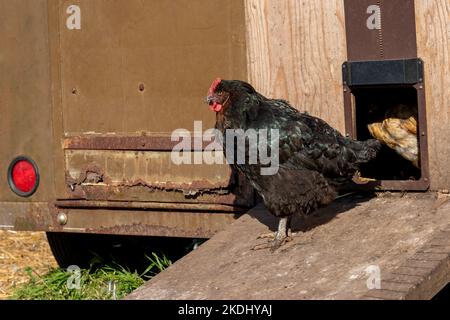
(314,159)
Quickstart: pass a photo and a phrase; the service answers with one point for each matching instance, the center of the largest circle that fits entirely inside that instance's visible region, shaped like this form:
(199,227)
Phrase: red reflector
(23,176)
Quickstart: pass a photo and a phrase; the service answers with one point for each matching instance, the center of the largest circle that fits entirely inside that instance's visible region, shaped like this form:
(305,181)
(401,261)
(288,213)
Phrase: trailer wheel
(85,250)
(71,248)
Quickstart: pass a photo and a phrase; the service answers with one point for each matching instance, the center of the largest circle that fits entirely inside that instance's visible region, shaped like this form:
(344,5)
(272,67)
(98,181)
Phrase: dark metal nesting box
(382,60)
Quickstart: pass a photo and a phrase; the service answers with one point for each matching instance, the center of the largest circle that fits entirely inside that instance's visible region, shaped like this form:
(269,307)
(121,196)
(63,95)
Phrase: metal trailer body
(91,91)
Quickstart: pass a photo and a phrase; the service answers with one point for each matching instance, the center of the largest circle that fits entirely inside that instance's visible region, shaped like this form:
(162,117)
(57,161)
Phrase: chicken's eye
(219,93)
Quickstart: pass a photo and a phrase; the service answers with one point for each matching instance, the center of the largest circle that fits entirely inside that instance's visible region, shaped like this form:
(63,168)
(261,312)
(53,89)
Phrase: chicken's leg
(279,238)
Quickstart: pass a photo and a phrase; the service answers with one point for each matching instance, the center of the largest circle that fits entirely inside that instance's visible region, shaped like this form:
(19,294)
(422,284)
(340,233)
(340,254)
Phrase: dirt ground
(19,250)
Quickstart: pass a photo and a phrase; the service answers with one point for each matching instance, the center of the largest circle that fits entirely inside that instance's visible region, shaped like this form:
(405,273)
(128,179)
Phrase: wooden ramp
(407,237)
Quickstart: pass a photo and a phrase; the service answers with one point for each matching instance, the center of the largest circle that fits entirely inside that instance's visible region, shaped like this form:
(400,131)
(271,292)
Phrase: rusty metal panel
(25,103)
(137,66)
(128,142)
(42,216)
(152,223)
(142,222)
(380,29)
(141,167)
(131,73)
(99,204)
(25,216)
(151,176)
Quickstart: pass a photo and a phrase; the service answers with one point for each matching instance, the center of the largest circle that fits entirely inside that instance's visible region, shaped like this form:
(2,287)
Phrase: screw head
(62,218)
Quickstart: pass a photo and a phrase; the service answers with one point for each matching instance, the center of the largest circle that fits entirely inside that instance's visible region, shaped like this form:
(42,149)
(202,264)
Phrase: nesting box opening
(385,100)
(389,114)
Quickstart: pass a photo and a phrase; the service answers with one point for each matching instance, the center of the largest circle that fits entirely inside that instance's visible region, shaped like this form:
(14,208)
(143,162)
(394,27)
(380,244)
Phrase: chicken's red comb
(214,86)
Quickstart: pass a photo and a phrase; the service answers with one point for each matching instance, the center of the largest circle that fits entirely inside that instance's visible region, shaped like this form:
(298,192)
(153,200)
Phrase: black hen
(314,159)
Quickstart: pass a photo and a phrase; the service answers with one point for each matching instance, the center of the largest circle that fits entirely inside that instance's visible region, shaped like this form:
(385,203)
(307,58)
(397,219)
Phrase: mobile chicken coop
(90,92)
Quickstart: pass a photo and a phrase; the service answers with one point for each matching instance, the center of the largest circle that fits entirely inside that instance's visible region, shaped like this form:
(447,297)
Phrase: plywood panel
(295,49)
(433,42)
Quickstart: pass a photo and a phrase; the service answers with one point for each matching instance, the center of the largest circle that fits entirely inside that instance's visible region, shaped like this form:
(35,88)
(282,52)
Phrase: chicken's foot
(279,238)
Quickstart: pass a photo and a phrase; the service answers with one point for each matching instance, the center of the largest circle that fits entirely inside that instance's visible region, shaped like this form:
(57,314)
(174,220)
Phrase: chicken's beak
(209,100)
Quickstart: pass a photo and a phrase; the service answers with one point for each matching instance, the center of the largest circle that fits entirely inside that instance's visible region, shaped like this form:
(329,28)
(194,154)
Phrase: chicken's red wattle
(216,107)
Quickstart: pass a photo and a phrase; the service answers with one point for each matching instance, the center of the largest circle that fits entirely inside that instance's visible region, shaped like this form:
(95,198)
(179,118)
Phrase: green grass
(106,282)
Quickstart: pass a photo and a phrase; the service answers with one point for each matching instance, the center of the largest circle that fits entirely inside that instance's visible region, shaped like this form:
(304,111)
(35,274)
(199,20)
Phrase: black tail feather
(369,150)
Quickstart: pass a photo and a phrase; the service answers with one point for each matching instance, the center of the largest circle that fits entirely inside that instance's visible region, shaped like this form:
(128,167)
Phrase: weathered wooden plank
(433,282)
(443,235)
(428,265)
(403,278)
(295,49)
(411,271)
(327,259)
(429,256)
(396,286)
(422,275)
(384,294)
(433,45)
(371,298)
(436,249)
(440,242)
